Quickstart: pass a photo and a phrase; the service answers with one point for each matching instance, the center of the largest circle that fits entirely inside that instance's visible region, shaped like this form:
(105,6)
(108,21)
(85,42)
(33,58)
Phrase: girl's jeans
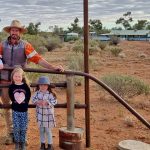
(20,123)
(44,131)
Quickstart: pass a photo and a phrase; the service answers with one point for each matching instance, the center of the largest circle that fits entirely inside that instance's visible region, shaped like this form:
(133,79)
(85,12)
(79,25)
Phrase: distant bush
(37,41)
(3,36)
(78,48)
(93,50)
(93,46)
(126,86)
(115,51)
(102,45)
(93,43)
(52,43)
(114,40)
(76,62)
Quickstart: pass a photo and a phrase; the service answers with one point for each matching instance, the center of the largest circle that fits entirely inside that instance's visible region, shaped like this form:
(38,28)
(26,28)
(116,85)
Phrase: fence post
(70,102)
(70,137)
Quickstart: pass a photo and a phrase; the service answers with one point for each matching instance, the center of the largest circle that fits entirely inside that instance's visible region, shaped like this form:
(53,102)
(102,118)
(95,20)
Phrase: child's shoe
(42,146)
(50,147)
(17,146)
(22,146)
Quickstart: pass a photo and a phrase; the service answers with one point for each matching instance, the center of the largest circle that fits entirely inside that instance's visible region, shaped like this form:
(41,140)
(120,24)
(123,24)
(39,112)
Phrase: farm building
(132,35)
(101,37)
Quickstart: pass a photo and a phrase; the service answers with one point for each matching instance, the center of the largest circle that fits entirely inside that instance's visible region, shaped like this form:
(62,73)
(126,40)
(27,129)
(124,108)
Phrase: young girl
(19,93)
(45,100)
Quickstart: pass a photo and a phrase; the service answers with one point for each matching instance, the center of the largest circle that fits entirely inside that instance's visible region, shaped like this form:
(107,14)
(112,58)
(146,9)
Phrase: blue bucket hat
(44,80)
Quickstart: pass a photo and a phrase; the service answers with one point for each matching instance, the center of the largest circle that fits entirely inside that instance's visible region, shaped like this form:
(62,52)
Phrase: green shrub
(93,43)
(3,36)
(52,43)
(78,48)
(36,41)
(115,51)
(126,86)
(93,50)
(76,62)
(93,46)
(102,45)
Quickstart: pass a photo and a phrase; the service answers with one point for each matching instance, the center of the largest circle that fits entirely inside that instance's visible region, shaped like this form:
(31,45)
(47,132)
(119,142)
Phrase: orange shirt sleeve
(31,54)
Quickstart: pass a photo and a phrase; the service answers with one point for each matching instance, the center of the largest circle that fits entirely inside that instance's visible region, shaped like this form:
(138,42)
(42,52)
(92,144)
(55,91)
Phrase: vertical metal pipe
(70,102)
(86,70)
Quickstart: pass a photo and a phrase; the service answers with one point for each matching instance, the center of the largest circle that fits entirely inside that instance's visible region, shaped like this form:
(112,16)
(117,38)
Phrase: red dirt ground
(108,117)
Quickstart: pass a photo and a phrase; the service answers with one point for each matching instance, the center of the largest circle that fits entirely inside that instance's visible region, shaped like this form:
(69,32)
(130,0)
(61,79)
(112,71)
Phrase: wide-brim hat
(15,24)
(43,80)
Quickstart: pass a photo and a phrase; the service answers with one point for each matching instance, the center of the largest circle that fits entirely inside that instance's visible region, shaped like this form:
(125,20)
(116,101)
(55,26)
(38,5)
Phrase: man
(15,51)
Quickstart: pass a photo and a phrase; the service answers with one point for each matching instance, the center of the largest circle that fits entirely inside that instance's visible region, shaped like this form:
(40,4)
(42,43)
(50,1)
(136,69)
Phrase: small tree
(33,28)
(140,25)
(148,26)
(57,30)
(95,25)
(125,21)
(75,27)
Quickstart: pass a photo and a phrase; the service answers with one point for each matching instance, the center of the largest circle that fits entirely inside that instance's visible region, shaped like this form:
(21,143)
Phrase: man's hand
(42,62)
(59,68)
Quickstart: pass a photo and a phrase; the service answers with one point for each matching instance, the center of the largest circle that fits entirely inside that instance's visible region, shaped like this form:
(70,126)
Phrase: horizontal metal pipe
(53,85)
(63,105)
(114,94)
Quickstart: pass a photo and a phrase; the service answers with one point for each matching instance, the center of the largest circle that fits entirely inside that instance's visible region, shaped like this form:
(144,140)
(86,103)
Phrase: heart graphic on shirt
(19,97)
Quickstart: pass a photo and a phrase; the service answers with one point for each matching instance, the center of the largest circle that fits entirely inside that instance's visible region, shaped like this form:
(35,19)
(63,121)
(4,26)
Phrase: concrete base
(133,145)
(70,140)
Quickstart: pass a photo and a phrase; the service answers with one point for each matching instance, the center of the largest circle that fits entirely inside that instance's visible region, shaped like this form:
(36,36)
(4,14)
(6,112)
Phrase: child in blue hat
(45,99)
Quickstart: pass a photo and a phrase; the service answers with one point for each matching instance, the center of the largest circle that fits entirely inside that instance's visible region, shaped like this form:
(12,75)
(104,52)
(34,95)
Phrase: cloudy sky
(63,12)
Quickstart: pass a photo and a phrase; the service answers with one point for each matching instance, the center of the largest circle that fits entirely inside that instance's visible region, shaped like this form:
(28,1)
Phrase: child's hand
(39,103)
(45,103)
(1,66)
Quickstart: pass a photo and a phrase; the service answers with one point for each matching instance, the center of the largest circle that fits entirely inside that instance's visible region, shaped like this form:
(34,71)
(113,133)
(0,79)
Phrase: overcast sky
(63,12)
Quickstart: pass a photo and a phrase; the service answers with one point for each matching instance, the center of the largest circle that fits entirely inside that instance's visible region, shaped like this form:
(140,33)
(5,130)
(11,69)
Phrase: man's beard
(15,37)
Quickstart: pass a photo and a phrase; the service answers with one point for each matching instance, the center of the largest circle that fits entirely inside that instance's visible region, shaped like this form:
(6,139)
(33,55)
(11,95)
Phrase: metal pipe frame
(102,84)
